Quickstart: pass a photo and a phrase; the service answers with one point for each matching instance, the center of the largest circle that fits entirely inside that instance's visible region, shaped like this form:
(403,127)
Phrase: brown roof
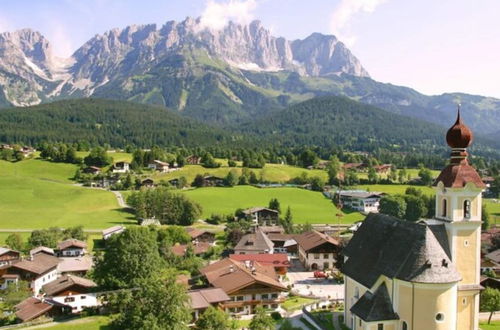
(31,308)
(272,229)
(40,249)
(113,229)
(273,260)
(39,264)
(280,237)
(458,175)
(494,256)
(258,209)
(200,248)
(195,233)
(231,275)
(203,298)
(75,264)
(313,239)
(65,282)
(71,243)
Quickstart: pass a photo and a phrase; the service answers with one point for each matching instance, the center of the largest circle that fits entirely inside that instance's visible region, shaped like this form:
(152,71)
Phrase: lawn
(493,206)
(295,303)
(494,325)
(307,206)
(39,194)
(270,173)
(86,323)
(394,188)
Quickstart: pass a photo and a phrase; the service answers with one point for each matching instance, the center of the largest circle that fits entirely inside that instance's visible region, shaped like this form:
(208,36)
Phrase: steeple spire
(459,137)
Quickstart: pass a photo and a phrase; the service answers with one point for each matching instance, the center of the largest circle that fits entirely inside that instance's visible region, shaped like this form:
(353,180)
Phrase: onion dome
(459,135)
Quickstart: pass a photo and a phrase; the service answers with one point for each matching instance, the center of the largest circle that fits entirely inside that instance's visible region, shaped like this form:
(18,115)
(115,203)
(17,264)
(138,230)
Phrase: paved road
(119,199)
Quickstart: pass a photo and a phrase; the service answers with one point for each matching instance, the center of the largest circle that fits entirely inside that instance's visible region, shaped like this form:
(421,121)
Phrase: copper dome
(459,135)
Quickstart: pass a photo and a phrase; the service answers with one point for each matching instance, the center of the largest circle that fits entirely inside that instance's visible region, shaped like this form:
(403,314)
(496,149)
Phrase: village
(256,264)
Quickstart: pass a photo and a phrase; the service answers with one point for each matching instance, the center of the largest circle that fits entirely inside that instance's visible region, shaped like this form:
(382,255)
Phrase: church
(421,275)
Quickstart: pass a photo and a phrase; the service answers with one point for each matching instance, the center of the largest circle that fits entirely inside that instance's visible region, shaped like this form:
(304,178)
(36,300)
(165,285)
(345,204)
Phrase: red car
(320,274)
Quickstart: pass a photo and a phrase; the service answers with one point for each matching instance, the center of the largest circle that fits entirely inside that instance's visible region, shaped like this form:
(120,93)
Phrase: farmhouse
(317,250)
(283,243)
(121,167)
(37,270)
(159,166)
(278,261)
(72,248)
(72,291)
(8,256)
(198,235)
(148,183)
(42,249)
(424,275)
(92,170)
(382,169)
(75,265)
(257,242)
(247,284)
(193,160)
(262,215)
(32,308)
(203,298)
(198,248)
(212,181)
(107,233)
(362,201)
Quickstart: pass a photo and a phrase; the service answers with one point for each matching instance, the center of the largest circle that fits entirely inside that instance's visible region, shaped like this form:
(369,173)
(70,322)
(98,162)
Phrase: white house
(159,166)
(72,248)
(37,270)
(317,250)
(121,167)
(108,232)
(73,291)
(363,201)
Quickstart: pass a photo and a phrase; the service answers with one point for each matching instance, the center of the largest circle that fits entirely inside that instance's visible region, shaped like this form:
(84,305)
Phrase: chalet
(363,201)
(353,166)
(272,229)
(72,291)
(201,299)
(107,233)
(32,308)
(248,285)
(193,160)
(283,243)
(198,235)
(71,248)
(278,261)
(198,249)
(382,169)
(257,242)
(159,166)
(92,170)
(121,167)
(8,256)
(42,250)
(38,270)
(75,265)
(213,181)
(147,183)
(262,215)
(317,250)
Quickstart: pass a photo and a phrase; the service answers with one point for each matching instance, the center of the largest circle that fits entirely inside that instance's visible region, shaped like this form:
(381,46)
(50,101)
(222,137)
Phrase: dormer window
(445,207)
(467,209)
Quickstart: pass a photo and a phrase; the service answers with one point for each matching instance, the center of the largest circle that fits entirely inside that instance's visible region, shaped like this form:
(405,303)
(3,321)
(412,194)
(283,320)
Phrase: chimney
(231,269)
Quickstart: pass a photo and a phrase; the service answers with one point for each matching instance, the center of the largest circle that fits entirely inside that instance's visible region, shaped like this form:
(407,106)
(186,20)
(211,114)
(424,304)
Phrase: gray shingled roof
(376,306)
(412,252)
(255,242)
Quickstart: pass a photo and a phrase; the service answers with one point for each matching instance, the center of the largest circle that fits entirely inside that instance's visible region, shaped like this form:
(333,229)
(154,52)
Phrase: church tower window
(467,209)
(445,208)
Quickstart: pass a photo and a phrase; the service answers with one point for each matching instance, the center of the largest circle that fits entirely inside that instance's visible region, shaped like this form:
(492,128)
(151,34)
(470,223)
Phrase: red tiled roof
(200,248)
(458,175)
(71,243)
(31,308)
(313,239)
(274,260)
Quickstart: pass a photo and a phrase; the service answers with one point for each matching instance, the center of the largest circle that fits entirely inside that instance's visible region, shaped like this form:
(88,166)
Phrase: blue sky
(432,46)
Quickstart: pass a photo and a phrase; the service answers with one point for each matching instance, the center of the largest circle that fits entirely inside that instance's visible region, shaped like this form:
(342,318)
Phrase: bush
(276,316)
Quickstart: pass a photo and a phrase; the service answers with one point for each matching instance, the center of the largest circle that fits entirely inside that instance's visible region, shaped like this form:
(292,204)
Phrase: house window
(325,256)
(445,206)
(356,293)
(467,209)
(360,323)
(274,306)
(264,296)
(316,256)
(380,326)
(274,296)
(240,298)
(83,297)
(69,299)
(404,326)
(326,265)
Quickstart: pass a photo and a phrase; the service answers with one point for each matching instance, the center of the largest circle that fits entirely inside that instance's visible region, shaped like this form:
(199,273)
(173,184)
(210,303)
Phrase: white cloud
(4,24)
(345,12)
(59,38)
(217,14)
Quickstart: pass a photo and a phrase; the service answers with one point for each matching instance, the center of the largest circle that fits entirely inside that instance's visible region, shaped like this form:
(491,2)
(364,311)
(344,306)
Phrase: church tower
(458,205)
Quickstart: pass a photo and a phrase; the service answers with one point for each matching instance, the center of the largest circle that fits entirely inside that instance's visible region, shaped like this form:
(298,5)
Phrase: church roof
(409,251)
(458,175)
(375,306)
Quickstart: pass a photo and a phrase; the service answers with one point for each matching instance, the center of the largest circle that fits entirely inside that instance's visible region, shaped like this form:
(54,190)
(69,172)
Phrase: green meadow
(40,194)
(394,188)
(307,206)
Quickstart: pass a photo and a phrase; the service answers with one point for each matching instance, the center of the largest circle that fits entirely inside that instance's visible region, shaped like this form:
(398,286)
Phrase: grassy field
(39,194)
(295,303)
(494,325)
(493,207)
(306,205)
(394,188)
(270,173)
(86,323)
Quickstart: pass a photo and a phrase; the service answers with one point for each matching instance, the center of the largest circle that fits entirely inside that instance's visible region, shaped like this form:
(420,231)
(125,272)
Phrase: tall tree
(393,205)
(333,169)
(490,301)
(15,241)
(215,319)
(274,204)
(261,321)
(287,221)
(415,208)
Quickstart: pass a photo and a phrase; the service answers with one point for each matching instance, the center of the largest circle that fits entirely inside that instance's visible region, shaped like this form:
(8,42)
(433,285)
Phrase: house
(150,222)
(198,235)
(201,299)
(257,242)
(38,270)
(363,201)
(193,160)
(198,248)
(262,215)
(352,166)
(279,261)
(382,169)
(159,166)
(147,183)
(8,256)
(272,229)
(283,243)
(489,282)
(42,249)
(32,308)
(92,170)
(317,250)
(75,265)
(107,233)
(71,248)
(212,181)
(426,274)
(73,291)
(121,167)
(248,285)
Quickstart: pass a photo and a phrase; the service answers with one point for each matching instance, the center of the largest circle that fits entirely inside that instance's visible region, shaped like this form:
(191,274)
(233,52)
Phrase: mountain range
(226,76)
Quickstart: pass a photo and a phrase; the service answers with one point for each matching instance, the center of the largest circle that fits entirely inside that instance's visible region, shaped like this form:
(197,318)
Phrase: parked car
(320,274)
